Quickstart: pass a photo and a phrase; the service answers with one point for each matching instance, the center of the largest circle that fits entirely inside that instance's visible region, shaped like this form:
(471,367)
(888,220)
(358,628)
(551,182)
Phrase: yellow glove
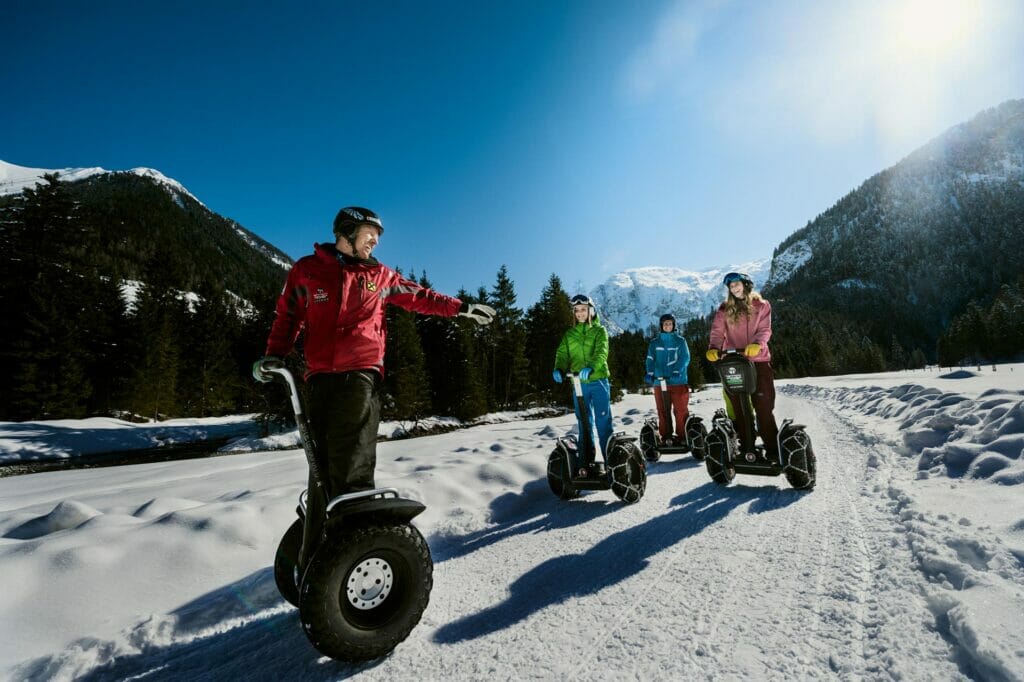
(712,355)
(752,350)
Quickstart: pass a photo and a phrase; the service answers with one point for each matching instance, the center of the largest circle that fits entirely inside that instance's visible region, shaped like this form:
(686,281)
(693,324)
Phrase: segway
(695,433)
(355,566)
(571,465)
(730,444)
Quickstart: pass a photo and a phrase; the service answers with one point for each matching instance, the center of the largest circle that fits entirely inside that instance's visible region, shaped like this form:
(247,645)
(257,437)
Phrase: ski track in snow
(754,580)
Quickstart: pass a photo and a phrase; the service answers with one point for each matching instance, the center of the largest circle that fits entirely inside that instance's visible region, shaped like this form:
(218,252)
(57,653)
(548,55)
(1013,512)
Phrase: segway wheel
(628,472)
(717,459)
(697,438)
(286,563)
(559,476)
(649,443)
(802,470)
(365,590)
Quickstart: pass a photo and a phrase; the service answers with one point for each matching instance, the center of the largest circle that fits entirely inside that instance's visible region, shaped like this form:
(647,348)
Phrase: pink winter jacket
(753,328)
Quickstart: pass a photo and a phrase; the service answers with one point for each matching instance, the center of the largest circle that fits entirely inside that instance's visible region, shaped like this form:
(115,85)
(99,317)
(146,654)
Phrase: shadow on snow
(240,631)
(614,559)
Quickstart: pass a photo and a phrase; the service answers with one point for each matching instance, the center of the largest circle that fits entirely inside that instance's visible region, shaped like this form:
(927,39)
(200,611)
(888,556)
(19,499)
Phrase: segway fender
(393,511)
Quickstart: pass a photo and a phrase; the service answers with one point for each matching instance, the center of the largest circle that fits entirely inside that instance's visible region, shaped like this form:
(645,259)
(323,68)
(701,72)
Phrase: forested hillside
(915,245)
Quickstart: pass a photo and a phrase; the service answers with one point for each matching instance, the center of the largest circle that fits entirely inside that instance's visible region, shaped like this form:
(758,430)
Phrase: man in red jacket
(338,296)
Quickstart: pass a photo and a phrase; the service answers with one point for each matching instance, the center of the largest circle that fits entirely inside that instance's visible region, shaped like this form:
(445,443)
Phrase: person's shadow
(534,509)
(612,560)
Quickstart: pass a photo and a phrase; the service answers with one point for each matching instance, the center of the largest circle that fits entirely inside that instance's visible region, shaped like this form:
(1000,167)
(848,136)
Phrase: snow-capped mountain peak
(14,179)
(634,299)
(172,185)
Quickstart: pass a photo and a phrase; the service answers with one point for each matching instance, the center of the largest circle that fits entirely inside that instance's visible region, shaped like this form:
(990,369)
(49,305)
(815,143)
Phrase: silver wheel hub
(369,583)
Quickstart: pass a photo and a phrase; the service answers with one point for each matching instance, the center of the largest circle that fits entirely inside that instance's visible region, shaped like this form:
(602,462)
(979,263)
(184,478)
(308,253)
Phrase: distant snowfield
(907,561)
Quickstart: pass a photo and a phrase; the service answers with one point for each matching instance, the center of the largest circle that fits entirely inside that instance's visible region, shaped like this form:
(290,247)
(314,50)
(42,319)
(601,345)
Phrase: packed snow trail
(754,580)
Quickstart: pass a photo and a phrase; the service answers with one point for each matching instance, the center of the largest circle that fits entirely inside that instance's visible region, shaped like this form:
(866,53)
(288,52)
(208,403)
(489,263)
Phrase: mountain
(124,294)
(145,221)
(634,299)
(916,243)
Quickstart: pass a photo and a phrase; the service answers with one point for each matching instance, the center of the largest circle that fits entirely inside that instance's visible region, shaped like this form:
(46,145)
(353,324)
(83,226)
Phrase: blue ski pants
(597,396)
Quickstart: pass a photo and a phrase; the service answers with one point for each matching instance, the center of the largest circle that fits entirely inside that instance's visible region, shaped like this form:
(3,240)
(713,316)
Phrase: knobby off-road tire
(628,471)
(559,476)
(286,571)
(365,590)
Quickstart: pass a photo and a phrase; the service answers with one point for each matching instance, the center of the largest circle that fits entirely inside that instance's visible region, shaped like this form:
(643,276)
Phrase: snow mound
(160,506)
(964,449)
(67,514)
(950,434)
(959,374)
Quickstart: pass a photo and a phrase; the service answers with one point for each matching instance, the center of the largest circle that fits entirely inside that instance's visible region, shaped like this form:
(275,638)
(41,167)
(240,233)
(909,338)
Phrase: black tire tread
(285,559)
(318,598)
(558,477)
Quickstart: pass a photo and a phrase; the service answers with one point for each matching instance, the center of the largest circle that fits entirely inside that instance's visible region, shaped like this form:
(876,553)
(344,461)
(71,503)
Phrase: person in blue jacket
(668,356)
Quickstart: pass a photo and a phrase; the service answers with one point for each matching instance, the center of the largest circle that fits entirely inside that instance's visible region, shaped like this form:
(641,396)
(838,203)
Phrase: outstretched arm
(407,294)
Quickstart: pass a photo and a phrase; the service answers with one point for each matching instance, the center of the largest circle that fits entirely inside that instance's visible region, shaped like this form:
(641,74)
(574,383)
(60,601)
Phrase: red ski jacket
(341,306)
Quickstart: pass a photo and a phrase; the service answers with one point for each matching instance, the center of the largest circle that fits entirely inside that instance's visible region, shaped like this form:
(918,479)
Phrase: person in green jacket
(584,350)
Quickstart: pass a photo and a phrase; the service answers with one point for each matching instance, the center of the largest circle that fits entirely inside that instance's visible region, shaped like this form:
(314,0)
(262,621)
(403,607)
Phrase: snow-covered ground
(906,561)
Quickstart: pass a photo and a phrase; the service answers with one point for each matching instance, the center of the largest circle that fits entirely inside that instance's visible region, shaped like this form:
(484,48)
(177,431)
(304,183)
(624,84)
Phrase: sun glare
(931,27)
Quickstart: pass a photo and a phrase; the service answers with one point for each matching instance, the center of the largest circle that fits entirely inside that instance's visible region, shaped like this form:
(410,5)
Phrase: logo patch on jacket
(320,296)
(371,285)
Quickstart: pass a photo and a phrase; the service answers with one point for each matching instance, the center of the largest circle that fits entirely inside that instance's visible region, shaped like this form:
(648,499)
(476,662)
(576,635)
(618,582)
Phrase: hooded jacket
(585,344)
(340,302)
(668,356)
(753,328)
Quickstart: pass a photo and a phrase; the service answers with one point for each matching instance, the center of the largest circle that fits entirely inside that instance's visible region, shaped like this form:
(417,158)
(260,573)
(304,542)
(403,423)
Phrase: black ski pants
(344,412)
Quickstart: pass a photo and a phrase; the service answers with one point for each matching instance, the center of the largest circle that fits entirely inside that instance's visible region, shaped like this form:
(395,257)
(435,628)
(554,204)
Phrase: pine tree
(44,353)
(506,344)
(209,378)
(407,389)
(157,324)
(546,322)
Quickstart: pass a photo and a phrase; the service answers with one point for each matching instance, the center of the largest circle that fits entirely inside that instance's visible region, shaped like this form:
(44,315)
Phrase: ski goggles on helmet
(737,277)
(580,299)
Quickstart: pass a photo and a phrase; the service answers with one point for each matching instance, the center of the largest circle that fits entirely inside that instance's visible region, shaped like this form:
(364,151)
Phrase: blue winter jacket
(668,356)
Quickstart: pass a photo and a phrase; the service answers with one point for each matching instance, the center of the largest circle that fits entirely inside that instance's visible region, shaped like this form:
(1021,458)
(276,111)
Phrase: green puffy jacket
(584,345)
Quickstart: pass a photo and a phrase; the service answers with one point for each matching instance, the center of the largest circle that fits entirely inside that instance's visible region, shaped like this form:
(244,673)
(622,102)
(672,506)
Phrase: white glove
(478,312)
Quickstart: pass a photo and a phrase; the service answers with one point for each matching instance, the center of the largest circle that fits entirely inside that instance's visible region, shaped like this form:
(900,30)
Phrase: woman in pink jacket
(744,322)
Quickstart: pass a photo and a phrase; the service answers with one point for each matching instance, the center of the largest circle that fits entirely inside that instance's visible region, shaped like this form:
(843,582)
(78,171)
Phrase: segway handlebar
(577,385)
(278,372)
(275,366)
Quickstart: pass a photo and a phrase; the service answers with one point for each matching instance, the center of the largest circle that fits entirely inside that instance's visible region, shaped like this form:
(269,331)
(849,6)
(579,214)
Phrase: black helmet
(350,218)
(738,277)
(667,316)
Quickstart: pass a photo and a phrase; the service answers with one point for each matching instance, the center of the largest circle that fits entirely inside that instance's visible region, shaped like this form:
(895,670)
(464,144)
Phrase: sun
(931,27)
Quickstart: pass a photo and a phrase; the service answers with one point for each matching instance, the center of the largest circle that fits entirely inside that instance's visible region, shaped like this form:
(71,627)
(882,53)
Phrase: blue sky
(577,138)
